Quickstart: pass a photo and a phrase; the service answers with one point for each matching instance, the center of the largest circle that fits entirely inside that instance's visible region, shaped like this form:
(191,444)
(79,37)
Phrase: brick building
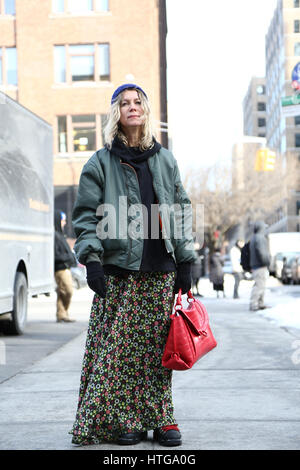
(63,59)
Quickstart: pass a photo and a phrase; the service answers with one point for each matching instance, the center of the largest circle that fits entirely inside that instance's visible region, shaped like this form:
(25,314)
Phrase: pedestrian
(64,259)
(237,270)
(259,262)
(125,391)
(216,273)
(196,273)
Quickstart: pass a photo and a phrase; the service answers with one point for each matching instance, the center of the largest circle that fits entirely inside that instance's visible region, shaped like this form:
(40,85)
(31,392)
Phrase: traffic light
(269,163)
(265,160)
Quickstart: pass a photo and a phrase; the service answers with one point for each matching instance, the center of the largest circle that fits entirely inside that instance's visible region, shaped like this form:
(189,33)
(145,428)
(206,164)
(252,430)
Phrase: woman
(124,390)
(216,273)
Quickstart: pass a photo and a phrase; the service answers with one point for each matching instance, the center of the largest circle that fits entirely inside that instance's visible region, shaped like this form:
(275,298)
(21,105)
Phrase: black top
(63,256)
(155,256)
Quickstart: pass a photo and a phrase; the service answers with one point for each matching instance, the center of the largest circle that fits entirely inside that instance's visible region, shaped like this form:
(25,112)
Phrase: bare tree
(227,205)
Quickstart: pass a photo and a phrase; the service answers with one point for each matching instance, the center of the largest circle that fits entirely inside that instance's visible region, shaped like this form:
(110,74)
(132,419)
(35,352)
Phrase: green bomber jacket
(108,189)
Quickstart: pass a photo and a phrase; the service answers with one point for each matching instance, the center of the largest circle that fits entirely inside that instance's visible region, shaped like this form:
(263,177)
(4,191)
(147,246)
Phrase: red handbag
(190,336)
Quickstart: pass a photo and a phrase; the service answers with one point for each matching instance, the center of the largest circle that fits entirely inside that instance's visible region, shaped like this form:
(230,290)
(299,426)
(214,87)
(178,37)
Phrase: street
(242,395)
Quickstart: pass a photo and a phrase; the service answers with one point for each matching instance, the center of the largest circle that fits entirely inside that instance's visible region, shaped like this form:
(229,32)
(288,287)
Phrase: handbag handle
(203,312)
(179,297)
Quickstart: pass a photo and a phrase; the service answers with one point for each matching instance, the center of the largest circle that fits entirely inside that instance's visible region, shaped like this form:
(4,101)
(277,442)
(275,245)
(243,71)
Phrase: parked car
(279,261)
(295,268)
(286,273)
(284,259)
(281,242)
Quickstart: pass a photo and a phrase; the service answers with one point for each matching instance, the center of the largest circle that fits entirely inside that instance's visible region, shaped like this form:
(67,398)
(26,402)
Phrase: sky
(214,47)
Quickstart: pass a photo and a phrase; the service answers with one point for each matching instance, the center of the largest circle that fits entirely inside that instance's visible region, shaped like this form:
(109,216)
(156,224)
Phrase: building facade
(244,153)
(283,133)
(63,59)
(254,108)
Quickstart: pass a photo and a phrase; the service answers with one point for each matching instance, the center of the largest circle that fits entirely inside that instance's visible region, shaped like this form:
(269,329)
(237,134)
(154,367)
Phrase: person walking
(259,262)
(63,261)
(196,273)
(216,273)
(124,389)
(237,270)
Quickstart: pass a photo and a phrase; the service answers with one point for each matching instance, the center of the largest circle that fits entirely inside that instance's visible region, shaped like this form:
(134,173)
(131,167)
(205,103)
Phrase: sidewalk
(242,395)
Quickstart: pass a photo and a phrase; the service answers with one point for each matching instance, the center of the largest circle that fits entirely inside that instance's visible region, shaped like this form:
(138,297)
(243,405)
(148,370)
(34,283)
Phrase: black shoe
(131,438)
(167,436)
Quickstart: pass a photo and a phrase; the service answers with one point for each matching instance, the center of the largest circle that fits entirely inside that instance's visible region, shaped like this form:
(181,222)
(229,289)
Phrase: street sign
(290,100)
(290,111)
(290,105)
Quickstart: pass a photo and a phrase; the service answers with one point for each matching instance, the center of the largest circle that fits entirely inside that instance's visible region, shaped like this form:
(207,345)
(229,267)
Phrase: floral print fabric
(123,385)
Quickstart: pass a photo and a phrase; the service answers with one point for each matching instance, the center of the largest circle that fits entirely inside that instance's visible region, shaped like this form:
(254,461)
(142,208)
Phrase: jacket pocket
(119,244)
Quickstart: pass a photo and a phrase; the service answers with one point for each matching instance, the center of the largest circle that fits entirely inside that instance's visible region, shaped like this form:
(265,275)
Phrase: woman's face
(132,113)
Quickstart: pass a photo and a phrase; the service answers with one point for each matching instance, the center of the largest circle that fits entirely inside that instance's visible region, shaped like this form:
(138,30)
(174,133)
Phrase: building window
(81,63)
(84,133)
(8,7)
(296,3)
(80,133)
(79,7)
(297,26)
(261,122)
(104,62)
(297,140)
(297,48)
(8,66)
(101,5)
(58,6)
(60,64)
(62,134)
(297,120)
(11,66)
(261,106)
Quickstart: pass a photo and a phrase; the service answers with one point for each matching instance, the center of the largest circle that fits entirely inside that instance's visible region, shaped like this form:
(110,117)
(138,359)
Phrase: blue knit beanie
(126,86)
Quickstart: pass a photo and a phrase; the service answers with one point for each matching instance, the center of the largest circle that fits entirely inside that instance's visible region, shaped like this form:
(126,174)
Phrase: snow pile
(284,308)
(285,313)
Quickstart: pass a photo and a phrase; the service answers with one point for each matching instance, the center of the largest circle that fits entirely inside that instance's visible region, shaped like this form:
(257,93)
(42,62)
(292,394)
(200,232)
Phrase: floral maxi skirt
(123,386)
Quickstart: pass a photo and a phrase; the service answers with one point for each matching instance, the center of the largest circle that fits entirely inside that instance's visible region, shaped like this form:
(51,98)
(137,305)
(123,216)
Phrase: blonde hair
(113,128)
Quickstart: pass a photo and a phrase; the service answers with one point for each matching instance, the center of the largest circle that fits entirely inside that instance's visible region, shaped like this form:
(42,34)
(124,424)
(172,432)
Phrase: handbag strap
(179,297)
(203,312)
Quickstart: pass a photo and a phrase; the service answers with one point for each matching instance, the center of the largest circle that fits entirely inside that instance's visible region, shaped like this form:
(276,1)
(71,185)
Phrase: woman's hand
(184,278)
(95,278)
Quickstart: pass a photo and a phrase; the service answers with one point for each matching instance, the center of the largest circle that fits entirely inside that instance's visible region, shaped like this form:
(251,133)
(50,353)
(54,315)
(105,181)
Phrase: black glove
(184,278)
(95,278)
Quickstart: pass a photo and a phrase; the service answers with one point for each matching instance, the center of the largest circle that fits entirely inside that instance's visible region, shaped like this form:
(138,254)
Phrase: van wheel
(19,313)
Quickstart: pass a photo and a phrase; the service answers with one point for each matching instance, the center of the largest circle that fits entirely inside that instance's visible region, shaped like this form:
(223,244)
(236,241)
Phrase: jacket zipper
(130,239)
